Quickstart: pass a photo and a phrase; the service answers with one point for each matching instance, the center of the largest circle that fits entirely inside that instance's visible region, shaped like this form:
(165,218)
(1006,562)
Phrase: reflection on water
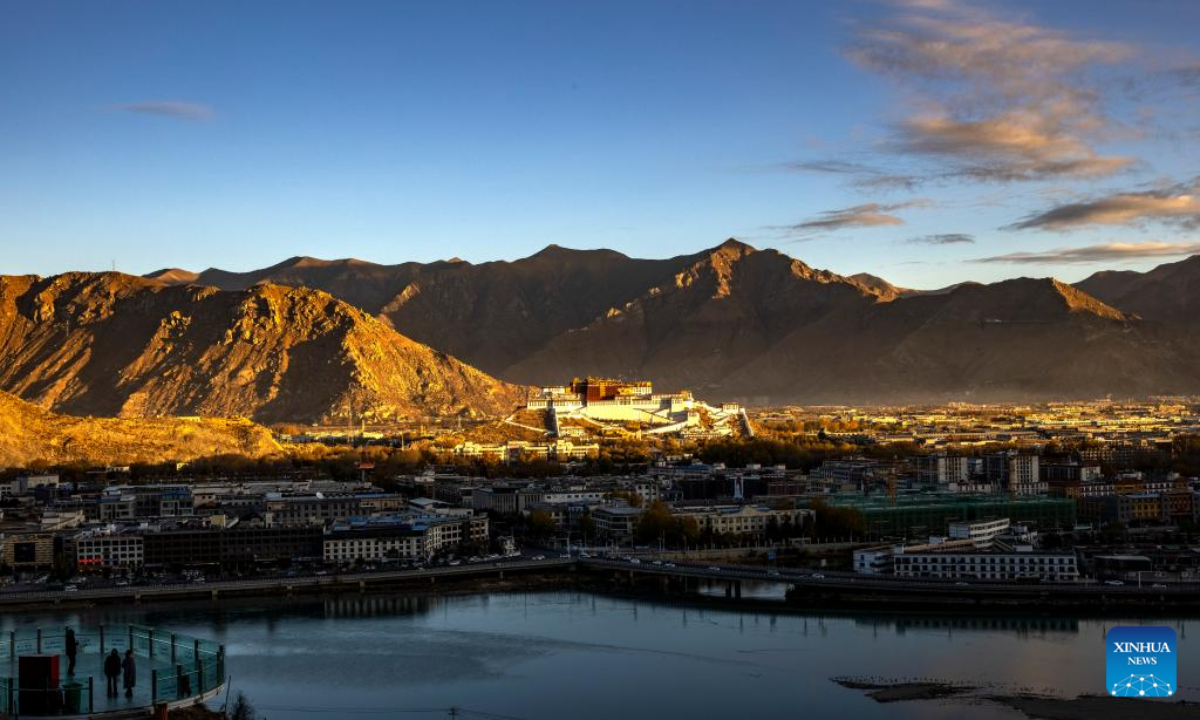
(545,656)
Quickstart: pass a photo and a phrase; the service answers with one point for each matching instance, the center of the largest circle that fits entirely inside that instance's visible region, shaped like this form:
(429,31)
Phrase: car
(565,556)
(122,583)
(714,568)
(584,555)
(539,557)
(70,588)
(962,583)
(818,576)
(456,563)
(670,565)
(1116,583)
(1158,586)
(634,561)
(657,562)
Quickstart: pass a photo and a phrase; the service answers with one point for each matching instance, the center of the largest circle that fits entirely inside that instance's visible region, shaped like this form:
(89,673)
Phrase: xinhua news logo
(1141,661)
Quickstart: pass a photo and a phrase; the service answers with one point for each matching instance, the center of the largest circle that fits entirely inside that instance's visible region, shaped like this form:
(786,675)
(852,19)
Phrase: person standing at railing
(112,671)
(71,646)
(130,668)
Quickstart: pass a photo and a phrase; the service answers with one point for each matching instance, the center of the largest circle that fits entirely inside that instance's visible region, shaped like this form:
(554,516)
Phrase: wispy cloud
(942,239)
(170,108)
(1110,252)
(1177,205)
(993,99)
(863,175)
(865,215)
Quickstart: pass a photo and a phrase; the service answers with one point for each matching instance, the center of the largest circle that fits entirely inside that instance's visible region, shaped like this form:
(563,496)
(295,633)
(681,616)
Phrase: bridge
(286,584)
(816,587)
(826,587)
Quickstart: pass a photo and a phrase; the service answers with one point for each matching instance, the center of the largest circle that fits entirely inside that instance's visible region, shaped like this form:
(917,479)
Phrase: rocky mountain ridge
(734,322)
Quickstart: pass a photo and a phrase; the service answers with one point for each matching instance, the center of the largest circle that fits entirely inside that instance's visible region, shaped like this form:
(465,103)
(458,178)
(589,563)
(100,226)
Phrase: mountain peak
(552,250)
(733,245)
(173,276)
(878,286)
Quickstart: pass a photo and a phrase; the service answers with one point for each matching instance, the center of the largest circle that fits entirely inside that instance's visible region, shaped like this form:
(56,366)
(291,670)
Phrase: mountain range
(316,340)
(733,322)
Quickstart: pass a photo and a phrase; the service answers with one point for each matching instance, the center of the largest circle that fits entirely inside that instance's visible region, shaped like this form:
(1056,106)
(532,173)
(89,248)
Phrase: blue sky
(929,141)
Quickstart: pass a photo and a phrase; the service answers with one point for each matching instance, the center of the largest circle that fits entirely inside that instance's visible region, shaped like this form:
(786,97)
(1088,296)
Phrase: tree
(540,524)
(587,526)
(655,523)
(242,709)
(690,530)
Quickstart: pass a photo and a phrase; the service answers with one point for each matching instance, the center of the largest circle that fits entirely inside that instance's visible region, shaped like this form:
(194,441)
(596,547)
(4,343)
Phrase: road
(281,584)
(814,579)
(829,579)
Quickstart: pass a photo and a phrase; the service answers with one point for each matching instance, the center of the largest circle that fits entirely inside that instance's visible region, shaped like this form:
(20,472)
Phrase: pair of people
(114,667)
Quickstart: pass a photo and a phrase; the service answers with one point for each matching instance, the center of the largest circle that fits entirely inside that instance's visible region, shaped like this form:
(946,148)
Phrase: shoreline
(644,591)
(1082,707)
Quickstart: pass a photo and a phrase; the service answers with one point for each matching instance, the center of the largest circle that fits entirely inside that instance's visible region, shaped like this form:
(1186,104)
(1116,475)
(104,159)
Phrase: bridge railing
(183,666)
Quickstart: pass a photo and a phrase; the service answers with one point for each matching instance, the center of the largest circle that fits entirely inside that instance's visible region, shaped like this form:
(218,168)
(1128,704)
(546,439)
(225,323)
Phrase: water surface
(545,656)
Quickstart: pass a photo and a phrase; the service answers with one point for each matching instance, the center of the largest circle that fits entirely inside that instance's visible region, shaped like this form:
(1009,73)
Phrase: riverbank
(797,589)
(1083,707)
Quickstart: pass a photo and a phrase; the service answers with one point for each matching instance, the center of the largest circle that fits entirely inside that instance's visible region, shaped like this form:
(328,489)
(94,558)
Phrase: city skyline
(928,142)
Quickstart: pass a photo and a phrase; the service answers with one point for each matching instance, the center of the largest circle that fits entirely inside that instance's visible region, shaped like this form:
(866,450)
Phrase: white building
(108,548)
(1024,476)
(740,519)
(1056,567)
(981,532)
(401,538)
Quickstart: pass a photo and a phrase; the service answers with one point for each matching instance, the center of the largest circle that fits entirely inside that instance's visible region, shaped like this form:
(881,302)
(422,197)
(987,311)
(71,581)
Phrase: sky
(925,141)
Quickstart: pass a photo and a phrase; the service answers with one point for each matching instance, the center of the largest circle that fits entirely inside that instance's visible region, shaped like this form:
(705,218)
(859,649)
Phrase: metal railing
(183,667)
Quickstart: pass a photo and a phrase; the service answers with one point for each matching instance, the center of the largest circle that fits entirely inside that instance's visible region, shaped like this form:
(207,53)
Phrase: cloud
(866,215)
(1188,76)
(865,176)
(993,99)
(942,239)
(1175,205)
(1012,146)
(1110,252)
(171,108)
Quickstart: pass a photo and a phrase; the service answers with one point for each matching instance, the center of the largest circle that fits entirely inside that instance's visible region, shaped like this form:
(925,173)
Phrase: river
(557,655)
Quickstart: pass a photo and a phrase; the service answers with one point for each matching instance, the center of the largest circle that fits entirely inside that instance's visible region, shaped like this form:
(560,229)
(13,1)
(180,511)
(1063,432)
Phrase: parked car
(1113,582)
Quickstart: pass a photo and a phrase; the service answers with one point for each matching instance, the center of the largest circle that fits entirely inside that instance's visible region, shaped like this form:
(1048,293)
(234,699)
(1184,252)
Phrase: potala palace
(606,407)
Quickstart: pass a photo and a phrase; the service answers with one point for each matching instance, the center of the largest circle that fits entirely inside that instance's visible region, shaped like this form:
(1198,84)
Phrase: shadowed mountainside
(736,322)
(1169,293)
